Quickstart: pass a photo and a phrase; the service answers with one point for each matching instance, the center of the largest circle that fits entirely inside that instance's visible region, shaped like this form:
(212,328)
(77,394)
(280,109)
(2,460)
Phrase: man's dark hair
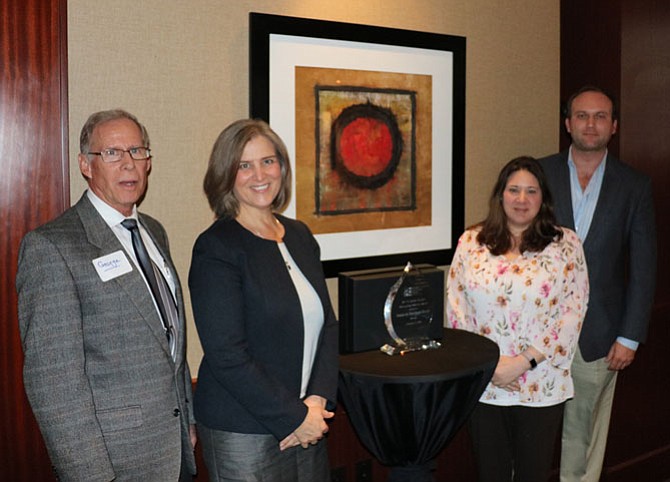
(567,109)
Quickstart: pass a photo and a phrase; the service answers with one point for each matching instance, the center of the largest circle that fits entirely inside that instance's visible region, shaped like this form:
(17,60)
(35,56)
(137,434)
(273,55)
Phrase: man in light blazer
(111,395)
(609,205)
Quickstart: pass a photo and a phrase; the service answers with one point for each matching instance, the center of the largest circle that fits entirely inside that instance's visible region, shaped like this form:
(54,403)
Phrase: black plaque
(362,300)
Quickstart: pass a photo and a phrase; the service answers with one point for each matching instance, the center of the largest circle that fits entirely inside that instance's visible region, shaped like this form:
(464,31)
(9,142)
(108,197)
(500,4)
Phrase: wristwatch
(531,360)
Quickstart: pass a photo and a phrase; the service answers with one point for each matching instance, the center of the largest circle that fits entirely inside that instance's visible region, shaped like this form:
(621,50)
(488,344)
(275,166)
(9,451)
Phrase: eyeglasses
(114,154)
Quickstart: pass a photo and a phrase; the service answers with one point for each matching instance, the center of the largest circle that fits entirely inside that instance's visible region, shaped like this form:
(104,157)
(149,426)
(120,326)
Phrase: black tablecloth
(405,409)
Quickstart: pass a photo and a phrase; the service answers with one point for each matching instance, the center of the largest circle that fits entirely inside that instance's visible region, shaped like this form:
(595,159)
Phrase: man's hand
(619,357)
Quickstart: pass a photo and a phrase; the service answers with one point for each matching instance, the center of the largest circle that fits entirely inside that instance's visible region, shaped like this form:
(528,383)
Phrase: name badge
(112,265)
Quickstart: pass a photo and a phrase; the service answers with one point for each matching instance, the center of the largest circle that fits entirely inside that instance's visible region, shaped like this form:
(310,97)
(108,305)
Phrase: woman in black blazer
(268,379)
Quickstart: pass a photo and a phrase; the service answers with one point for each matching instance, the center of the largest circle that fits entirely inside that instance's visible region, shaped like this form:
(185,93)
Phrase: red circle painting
(366,145)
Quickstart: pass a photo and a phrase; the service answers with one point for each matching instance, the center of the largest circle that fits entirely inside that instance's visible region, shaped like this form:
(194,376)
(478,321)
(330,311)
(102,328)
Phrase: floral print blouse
(536,299)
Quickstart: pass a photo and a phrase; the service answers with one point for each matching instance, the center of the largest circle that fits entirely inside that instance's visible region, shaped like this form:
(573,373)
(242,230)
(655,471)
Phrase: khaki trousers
(586,420)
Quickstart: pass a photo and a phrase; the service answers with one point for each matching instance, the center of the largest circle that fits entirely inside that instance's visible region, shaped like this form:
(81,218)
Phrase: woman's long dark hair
(495,234)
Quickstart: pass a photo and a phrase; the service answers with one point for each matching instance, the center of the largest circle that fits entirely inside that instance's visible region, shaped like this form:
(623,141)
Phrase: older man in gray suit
(105,369)
(609,205)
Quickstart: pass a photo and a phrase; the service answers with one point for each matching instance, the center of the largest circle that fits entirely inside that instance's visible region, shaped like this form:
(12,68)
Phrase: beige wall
(182,67)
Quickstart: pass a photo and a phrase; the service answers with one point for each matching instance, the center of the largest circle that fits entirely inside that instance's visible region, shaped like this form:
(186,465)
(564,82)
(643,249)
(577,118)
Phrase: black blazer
(620,250)
(250,324)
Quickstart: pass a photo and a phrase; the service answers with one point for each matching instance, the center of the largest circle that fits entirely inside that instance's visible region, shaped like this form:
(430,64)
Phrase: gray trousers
(240,457)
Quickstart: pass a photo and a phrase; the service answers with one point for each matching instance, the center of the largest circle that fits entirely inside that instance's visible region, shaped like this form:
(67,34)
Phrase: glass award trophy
(408,313)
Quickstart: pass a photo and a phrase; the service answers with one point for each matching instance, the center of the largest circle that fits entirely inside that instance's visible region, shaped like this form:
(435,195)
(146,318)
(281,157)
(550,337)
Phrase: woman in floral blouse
(521,281)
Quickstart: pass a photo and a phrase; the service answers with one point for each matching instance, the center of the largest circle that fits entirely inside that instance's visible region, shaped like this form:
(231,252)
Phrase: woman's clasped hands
(313,428)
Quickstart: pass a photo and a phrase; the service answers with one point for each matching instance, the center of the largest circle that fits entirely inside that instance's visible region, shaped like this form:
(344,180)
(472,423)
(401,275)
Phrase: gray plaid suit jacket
(110,401)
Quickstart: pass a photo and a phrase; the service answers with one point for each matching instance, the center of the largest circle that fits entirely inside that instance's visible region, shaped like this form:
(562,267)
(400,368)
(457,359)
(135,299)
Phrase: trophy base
(409,346)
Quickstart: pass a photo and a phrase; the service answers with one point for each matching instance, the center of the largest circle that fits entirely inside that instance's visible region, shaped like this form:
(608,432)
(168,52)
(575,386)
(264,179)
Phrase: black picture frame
(262,28)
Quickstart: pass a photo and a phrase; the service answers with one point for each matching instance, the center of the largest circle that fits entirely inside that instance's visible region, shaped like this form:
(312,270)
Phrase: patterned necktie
(159,287)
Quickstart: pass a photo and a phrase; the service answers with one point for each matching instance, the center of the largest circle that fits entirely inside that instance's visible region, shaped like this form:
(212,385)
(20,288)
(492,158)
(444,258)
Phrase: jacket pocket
(115,419)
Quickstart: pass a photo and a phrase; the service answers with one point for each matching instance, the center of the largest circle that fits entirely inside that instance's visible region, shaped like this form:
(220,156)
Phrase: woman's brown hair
(495,234)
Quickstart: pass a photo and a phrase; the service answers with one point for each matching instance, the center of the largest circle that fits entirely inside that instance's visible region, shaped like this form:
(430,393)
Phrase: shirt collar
(111,216)
(601,165)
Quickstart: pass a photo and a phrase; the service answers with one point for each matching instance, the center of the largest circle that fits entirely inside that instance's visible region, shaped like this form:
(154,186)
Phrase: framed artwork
(374,122)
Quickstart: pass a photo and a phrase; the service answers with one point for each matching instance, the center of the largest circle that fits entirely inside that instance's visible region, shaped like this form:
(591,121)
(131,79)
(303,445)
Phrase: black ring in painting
(346,117)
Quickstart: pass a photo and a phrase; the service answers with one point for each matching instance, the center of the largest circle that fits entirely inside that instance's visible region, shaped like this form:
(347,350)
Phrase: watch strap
(531,360)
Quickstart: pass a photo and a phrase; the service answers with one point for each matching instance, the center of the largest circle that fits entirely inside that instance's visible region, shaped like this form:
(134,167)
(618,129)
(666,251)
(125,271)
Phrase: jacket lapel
(101,236)
(162,249)
(563,194)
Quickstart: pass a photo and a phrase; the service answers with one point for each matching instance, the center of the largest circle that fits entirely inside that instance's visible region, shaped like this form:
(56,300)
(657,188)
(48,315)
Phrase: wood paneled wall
(34,188)
(621,46)
(590,47)
(617,44)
